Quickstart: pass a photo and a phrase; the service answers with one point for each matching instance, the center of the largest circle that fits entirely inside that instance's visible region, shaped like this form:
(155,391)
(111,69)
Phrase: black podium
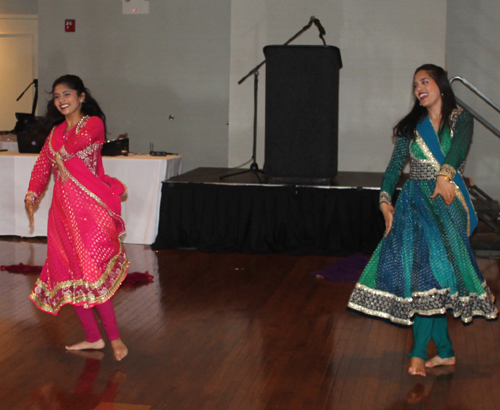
(301,131)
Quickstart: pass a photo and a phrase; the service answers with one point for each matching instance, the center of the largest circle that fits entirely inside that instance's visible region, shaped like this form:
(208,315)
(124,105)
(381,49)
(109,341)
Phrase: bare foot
(87,345)
(437,361)
(119,349)
(417,366)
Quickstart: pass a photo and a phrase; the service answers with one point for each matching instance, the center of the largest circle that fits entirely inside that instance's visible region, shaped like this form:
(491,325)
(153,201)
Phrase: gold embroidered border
(427,152)
(462,200)
(88,299)
(453,119)
(50,144)
(64,154)
(385,197)
(100,202)
(81,124)
(408,322)
(98,283)
(32,196)
(429,293)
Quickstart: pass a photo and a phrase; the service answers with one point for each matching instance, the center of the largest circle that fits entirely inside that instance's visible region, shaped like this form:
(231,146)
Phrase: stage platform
(245,213)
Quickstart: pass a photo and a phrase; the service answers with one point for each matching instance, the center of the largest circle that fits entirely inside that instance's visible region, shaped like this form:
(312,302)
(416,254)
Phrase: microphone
(317,23)
(311,21)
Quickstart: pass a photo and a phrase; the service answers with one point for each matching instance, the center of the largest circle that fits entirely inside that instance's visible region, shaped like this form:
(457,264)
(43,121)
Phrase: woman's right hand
(388,212)
(30,211)
(62,169)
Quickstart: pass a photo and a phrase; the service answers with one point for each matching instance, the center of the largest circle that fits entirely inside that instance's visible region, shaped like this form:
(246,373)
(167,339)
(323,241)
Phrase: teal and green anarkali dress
(425,265)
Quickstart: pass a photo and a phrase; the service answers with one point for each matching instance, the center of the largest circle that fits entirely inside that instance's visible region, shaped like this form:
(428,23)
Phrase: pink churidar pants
(89,322)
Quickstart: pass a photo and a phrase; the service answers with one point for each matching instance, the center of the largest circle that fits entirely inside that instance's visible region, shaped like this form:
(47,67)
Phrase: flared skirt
(86,261)
(425,265)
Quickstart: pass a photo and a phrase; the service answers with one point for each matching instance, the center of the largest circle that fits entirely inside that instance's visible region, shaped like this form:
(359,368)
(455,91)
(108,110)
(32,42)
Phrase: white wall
(473,52)
(186,57)
(18,6)
(143,68)
(381,42)
(18,67)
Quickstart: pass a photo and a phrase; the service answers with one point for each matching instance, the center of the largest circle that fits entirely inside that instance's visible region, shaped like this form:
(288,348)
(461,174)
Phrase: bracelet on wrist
(446,176)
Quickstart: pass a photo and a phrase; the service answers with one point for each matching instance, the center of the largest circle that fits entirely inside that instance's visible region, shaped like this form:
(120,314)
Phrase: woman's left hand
(445,189)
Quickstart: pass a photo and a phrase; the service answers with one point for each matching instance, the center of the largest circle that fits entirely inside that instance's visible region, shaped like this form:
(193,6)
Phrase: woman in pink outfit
(86,262)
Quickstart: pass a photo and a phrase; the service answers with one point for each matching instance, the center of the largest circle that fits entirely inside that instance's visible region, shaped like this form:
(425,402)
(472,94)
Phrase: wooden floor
(232,331)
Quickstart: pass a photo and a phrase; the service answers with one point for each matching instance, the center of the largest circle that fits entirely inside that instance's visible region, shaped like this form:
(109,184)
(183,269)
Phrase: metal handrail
(479,117)
(488,210)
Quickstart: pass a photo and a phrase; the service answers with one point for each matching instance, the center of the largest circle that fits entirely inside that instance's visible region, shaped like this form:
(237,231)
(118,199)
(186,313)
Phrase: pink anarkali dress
(86,262)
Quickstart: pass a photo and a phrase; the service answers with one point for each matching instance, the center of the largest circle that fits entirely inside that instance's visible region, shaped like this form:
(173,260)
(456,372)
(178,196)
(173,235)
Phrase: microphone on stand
(321,29)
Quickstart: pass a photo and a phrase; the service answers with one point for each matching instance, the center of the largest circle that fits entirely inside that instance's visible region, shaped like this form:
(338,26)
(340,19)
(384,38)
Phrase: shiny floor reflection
(232,331)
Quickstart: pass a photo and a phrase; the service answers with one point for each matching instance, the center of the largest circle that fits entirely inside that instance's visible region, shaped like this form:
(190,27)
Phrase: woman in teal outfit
(424,265)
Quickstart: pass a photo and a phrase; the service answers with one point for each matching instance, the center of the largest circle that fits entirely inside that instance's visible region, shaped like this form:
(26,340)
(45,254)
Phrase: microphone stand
(255,72)
(321,34)
(35,99)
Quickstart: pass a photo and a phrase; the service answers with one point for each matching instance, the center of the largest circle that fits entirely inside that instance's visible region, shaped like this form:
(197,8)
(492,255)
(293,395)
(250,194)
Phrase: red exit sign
(69,26)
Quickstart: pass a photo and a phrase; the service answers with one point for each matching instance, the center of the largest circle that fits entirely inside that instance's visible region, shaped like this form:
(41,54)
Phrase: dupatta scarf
(428,134)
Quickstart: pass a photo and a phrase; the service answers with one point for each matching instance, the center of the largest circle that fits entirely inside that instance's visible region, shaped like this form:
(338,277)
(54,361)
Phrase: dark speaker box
(115,147)
(302,93)
(30,138)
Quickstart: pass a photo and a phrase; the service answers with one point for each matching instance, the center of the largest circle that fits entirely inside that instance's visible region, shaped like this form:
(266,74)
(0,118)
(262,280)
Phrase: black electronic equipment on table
(154,153)
(120,146)
(28,140)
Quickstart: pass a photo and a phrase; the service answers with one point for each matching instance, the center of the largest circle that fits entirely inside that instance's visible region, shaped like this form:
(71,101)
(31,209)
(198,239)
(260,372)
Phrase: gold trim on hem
(85,299)
(81,282)
(429,293)
(408,322)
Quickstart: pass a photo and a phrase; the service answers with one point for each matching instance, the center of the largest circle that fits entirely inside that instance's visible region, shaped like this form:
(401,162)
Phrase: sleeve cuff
(33,197)
(385,197)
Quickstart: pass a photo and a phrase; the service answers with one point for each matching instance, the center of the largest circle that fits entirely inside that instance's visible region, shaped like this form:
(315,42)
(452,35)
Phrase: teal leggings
(426,328)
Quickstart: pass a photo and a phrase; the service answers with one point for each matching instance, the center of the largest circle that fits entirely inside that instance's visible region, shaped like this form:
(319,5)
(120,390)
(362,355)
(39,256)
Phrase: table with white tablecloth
(143,175)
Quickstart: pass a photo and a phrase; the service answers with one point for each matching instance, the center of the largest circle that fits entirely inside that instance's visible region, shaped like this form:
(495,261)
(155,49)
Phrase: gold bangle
(446,176)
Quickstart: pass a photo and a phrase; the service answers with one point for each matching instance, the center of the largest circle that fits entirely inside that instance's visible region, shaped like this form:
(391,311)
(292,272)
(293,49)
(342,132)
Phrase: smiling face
(67,101)
(426,90)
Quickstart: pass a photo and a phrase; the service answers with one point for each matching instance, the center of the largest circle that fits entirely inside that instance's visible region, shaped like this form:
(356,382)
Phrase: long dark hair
(89,106)
(407,126)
